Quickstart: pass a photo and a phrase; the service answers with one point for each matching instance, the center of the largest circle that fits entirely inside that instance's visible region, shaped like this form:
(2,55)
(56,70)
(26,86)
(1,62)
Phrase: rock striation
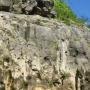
(38,53)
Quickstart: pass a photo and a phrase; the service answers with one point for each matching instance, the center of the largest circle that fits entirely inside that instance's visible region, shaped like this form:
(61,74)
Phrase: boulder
(46,7)
(39,7)
(28,6)
(5,5)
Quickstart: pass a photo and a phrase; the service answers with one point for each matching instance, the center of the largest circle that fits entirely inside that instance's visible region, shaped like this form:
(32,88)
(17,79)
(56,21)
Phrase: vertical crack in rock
(27,32)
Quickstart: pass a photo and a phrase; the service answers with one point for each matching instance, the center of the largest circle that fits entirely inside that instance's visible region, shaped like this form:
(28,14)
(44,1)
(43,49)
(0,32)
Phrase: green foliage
(81,20)
(63,12)
(50,83)
(65,75)
(88,26)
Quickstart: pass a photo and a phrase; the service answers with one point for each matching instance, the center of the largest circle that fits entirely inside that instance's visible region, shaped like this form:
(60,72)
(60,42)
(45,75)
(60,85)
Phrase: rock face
(5,5)
(29,7)
(37,53)
(5,2)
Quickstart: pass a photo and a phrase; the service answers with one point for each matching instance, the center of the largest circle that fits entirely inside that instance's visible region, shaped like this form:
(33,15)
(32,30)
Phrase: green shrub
(88,26)
(63,12)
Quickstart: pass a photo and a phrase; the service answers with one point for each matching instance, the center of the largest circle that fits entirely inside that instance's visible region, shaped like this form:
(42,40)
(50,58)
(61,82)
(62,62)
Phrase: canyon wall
(38,53)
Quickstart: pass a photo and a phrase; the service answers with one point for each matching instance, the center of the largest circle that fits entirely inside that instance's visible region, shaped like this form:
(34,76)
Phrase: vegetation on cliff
(65,13)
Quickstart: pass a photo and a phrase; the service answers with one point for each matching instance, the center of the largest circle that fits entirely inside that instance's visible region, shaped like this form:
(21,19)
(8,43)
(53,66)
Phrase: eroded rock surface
(5,5)
(37,53)
(29,7)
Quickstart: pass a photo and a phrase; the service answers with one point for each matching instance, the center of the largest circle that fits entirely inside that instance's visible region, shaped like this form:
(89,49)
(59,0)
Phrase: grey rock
(29,7)
(42,52)
(5,2)
(5,5)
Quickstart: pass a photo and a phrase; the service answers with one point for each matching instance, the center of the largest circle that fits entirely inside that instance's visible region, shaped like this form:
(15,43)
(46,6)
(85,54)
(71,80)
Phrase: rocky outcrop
(29,7)
(5,5)
(38,53)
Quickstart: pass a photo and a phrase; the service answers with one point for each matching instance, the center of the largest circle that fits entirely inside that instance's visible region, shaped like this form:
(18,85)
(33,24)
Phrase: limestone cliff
(38,53)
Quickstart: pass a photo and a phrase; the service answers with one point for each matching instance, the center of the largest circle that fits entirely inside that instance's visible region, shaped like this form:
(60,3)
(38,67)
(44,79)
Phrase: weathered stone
(5,5)
(41,51)
(29,7)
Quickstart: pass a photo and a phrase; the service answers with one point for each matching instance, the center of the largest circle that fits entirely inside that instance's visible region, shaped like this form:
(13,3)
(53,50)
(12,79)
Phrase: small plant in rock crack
(38,21)
(65,76)
(50,82)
